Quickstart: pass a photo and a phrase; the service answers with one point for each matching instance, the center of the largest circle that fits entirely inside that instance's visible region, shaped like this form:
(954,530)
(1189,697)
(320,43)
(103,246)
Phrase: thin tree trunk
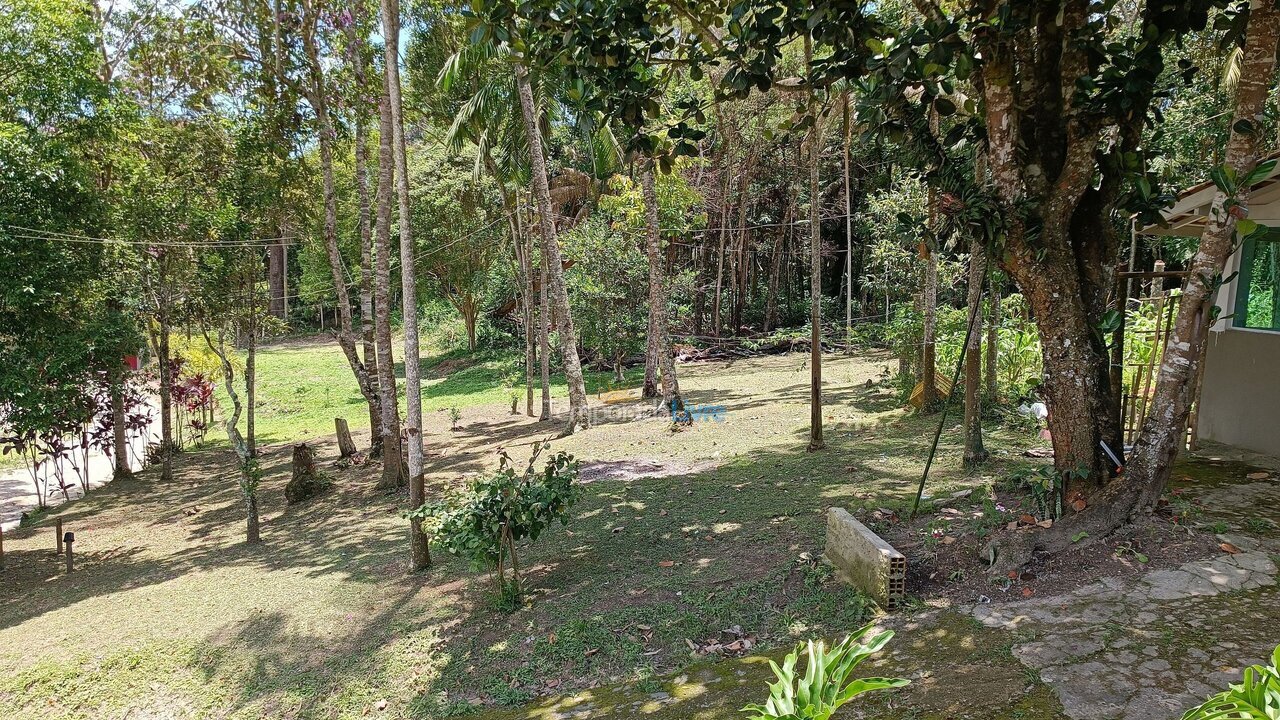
(393,472)
(365,220)
(993,341)
(248,468)
(974,452)
(420,553)
(544,343)
(166,376)
(1164,430)
(316,94)
(523,257)
(551,253)
(251,363)
(119,433)
(815,266)
(848,228)
(659,339)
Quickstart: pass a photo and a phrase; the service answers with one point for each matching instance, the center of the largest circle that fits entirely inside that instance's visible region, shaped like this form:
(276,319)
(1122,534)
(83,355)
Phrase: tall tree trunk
(551,253)
(530,346)
(365,220)
(393,472)
(251,363)
(525,260)
(649,389)
(1164,429)
(316,93)
(699,284)
(848,228)
(544,342)
(771,287)
(420,553)
(119,433)
(974,452)
(248,466)
(815,268)
(275,278)
(993,341)
(658,337)
(166,375)
(717,302)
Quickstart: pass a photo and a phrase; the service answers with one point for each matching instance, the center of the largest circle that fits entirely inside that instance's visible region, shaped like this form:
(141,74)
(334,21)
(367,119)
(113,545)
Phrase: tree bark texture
(393,471)
(420,553)
(974,452)
(551,256)
(815,276)
(659,339)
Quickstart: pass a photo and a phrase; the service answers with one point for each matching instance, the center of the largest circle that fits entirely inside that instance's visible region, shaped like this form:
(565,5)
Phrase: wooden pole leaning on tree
(946,403)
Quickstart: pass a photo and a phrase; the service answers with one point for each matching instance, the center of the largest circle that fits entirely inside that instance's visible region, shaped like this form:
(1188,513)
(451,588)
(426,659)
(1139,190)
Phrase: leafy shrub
(1256,697)
(826,684)
(485,523)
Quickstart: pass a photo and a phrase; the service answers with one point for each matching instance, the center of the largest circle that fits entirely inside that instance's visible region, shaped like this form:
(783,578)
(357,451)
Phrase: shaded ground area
(691,537)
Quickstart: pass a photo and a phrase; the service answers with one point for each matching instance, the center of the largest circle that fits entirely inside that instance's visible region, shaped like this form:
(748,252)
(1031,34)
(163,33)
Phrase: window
(1258,285)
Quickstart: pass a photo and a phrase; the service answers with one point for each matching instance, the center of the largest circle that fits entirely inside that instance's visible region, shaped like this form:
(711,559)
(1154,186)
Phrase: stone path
(1150,648)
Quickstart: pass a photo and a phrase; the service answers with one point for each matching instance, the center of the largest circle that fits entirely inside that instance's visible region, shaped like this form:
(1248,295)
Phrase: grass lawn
(681,536)
(304,383)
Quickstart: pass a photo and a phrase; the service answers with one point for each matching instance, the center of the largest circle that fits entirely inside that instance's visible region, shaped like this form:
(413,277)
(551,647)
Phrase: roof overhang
(1190,214)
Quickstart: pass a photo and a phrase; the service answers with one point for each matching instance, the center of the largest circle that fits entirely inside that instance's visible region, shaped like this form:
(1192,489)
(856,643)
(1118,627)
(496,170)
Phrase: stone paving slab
(1150,648)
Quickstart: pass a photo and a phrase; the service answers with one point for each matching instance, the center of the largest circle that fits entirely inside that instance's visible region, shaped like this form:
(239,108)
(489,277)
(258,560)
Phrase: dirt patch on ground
(639,469)
(944,551)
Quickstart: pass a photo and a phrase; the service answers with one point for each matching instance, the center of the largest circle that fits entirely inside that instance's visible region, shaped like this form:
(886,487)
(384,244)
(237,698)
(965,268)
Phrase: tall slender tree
(393,471)
(813,144)
(552,262)
(659,336)
(420,554)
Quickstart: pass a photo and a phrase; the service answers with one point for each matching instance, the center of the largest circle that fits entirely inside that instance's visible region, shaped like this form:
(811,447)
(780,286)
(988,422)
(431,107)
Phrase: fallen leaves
(1258,475)
(732,642)
(666,563)
(1230,549)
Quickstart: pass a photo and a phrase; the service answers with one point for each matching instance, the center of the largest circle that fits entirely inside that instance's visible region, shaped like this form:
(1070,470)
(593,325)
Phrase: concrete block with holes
(865,560)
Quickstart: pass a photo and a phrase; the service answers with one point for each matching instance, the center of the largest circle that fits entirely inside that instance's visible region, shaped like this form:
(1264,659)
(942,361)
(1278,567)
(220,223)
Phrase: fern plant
(826,684)
(1256,697)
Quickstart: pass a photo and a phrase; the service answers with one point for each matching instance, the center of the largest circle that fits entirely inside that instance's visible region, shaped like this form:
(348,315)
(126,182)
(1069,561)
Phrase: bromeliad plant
(826,684)
(1256,697)
(485,523)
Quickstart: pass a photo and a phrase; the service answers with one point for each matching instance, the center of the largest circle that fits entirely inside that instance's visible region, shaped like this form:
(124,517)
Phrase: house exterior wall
(1240,397)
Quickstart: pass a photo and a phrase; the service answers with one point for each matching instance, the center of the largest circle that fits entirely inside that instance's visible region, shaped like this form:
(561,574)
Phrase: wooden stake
(58,534)
(69,539)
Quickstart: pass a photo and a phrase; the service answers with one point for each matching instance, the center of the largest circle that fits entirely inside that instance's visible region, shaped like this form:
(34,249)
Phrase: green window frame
(1258,284)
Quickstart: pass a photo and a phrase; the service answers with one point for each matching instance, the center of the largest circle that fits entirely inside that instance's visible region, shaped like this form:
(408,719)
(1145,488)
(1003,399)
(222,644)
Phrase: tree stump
(346,446)
(307,482)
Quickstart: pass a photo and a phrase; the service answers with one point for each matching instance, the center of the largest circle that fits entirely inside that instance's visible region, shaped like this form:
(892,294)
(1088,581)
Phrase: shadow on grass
(644,566)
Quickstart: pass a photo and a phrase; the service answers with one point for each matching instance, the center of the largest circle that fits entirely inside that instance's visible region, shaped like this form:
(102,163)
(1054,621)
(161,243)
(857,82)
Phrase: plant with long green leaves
(1256,697)
(827,684)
